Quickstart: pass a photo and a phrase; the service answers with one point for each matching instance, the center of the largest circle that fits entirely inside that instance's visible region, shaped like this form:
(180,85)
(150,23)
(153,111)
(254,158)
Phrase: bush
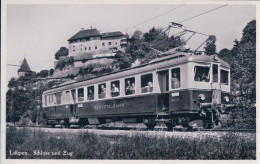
(24,122)
(64,62)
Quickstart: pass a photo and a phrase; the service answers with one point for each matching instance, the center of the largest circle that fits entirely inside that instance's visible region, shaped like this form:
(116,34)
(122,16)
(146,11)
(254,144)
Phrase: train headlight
(226,98)
(202,97)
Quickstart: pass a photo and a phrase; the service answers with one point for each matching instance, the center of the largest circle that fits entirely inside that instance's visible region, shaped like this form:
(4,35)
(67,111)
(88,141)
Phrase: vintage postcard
(123,80)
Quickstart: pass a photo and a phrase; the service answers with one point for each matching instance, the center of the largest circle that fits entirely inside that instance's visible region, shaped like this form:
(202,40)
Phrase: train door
(163,97)
(73,105)
(216,86)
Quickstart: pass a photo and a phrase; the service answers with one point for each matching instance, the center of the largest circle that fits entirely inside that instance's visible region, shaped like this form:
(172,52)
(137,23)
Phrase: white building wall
(95,45)
(95,61)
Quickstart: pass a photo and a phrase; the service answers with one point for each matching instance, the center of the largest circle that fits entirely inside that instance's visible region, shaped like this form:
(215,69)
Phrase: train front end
(203,93)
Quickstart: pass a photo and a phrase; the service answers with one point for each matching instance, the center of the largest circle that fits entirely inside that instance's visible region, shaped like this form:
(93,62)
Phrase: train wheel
(150,126)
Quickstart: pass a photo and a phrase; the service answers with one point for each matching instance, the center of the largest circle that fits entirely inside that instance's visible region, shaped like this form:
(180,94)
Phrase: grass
(87,145)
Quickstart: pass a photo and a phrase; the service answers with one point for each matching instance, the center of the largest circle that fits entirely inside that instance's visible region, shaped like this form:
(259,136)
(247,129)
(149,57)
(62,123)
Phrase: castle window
(89,48)
(95,47)
(103,44)
(109,43)
(85,48)
(73,50)
(116,43)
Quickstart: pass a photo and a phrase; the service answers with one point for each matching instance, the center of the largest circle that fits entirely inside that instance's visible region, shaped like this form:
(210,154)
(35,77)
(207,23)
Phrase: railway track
(160,129)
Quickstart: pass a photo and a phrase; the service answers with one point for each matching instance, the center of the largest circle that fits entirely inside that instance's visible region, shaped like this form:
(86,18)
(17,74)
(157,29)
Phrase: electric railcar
(175,89)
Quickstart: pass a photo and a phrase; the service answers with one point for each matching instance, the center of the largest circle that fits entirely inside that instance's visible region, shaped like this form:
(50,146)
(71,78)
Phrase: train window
(91,93)
(176,78)
(73,94)
(147,83)
(58,97)
(67,96)
(115,88)
(102,91)
(201,73)
(81,94)
(45,100)
(215,73)
(130,86)
(224,77)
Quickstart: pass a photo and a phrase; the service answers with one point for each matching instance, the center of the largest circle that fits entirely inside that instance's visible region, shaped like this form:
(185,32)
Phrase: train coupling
(228,107)
(221,108)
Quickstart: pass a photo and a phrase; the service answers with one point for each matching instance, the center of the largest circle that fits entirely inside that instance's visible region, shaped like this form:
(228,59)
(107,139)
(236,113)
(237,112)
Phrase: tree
(210,47)
(44,73)
(152,34)
(140,45)
(160,41)
(249,33)
(63,51)
(243,75)
(124,60)
(12,83)
(226,55)
(13,116)
(136,35)
(51,71)
(139,48)
(244,65)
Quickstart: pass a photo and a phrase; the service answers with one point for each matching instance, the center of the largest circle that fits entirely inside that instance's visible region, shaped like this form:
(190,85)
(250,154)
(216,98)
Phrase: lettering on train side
(110,106)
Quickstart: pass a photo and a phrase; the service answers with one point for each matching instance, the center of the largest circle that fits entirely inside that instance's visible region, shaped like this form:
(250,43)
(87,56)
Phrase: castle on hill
(92,41)
(91,47)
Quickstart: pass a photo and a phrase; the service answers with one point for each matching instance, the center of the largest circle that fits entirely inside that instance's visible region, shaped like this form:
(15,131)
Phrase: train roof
(157,64)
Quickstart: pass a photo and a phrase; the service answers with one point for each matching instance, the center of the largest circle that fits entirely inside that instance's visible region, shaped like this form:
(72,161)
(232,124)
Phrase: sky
(38,31)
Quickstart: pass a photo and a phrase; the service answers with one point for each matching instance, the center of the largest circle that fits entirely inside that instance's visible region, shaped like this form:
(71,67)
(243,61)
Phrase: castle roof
(112,34)
(24,67)
(85,34)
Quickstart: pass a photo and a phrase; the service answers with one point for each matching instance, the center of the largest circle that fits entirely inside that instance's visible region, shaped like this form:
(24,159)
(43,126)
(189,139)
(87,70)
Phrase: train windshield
(215,73)
(201,73)
(224,77)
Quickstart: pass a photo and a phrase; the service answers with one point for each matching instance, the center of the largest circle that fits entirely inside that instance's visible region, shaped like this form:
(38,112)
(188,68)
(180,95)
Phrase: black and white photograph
(128,81)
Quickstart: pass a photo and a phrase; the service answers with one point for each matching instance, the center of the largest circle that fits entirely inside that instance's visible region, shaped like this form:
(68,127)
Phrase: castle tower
(24,68)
